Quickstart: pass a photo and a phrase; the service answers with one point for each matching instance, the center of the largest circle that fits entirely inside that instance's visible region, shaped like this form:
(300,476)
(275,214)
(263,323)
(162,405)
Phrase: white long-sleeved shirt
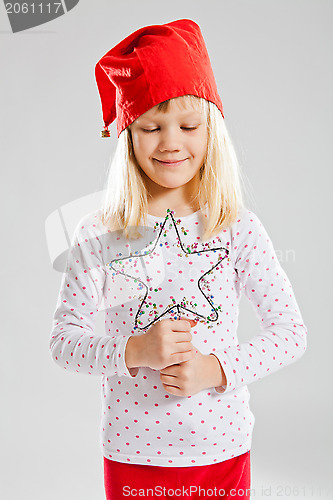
(171,272)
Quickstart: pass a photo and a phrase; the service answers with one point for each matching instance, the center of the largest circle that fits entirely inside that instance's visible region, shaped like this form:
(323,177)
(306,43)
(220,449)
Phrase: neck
(181,200)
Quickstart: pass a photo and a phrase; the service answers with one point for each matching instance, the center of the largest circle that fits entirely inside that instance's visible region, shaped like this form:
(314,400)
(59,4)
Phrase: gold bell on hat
(105,132)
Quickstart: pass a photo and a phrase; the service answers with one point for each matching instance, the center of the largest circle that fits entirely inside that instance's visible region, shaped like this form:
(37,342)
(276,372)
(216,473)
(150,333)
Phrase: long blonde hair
(125,202)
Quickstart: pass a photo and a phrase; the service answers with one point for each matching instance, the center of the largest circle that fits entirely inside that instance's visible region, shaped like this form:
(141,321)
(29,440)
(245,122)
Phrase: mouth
(169,163)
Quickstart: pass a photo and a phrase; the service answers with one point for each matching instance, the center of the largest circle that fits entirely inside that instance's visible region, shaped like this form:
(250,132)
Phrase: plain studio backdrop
(273,67)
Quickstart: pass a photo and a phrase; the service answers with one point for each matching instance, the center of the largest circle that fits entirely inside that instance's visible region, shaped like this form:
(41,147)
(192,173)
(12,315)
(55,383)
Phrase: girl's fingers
(181,357)
(166,371)
(183,325)
(176,391)
(170,380)
(182,346)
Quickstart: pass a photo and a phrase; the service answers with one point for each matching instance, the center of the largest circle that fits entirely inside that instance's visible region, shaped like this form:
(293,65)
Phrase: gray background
(273,66)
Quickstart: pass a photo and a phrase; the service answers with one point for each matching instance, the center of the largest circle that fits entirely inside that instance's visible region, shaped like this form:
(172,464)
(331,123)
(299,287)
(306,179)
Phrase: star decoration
(168,271)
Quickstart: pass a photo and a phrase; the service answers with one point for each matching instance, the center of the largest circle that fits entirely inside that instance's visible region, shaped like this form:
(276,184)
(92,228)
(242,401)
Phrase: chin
(172,185)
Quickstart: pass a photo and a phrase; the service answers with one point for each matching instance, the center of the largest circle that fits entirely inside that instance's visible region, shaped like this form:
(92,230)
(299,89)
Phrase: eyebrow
(194,114)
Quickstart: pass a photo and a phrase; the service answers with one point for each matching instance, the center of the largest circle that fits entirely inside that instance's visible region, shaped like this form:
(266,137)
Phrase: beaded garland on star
(167,264)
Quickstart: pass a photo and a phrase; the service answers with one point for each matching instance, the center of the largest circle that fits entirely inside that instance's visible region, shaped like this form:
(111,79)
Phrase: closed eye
(155,129)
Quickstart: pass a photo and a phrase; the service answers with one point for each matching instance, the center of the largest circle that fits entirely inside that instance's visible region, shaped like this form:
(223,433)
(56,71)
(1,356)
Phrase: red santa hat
(152,65)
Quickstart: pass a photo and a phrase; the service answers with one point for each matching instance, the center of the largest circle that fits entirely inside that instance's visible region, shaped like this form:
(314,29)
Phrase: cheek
(136,144)
(200,147)
(199,142)
(141,147)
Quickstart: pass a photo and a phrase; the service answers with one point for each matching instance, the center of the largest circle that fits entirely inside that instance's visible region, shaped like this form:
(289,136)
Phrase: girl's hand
(188,378)
(166,343)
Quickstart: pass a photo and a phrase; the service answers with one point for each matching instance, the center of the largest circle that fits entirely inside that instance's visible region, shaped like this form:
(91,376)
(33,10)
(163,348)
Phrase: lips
(170,163)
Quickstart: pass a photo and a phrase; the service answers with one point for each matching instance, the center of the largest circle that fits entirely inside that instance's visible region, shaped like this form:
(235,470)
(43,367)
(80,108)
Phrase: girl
(167,256)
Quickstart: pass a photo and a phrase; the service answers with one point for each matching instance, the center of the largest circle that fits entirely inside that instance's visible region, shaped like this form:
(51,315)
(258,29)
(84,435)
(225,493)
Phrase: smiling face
(170,148)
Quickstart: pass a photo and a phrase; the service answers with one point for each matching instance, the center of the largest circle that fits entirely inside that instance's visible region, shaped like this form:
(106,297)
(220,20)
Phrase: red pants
(230,479)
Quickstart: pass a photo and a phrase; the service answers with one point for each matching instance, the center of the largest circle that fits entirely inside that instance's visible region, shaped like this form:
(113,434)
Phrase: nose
(169,140)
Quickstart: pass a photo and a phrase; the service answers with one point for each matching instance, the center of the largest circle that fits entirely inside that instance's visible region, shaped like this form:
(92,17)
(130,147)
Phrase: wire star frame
(175,307)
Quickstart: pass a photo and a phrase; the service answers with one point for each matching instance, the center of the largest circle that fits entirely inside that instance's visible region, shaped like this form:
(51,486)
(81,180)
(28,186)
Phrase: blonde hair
(125,202)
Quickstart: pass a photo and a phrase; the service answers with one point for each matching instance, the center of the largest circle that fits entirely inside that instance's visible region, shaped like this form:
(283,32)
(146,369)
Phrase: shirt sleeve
(283,336)
(73,344)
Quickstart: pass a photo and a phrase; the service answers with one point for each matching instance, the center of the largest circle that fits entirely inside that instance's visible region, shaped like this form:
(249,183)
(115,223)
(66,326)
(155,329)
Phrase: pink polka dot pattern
(283,338)
(140,422)
(73,343)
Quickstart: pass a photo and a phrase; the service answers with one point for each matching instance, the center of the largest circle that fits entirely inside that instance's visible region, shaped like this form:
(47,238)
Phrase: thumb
(192,322)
